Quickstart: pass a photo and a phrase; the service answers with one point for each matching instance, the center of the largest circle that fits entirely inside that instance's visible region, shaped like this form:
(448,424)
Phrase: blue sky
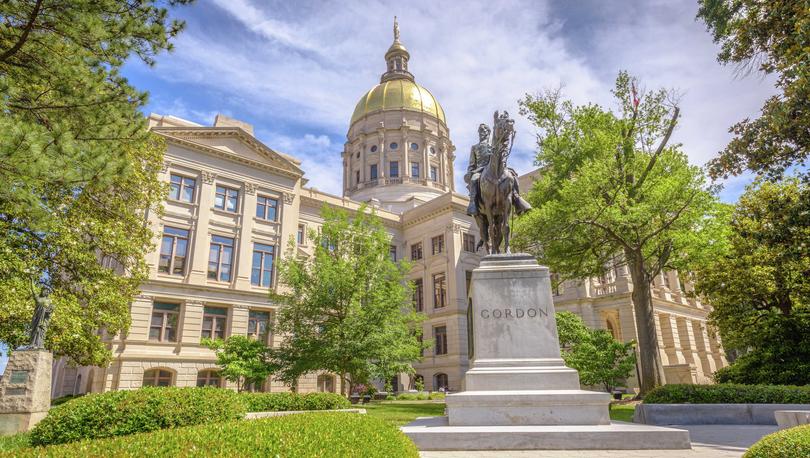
(296,69)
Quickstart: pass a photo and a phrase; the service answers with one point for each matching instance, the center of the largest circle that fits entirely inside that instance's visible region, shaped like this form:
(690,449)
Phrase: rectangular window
(468,241)
(440,339)
(262,272)
(437,244)
(226,199)
(373,172)
(266,208)
(257,325)
(357,177)
(418,295)
(416,251)
(433,173)
(182,188)
(173,249)
(394,166)
(439,291)
(414,170)
(220,259)
(301,234)
(393,253)
(163,327)
(213,324)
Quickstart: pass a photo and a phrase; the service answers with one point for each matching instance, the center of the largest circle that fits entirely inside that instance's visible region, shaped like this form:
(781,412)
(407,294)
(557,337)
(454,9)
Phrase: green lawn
(402,412)
(622,412)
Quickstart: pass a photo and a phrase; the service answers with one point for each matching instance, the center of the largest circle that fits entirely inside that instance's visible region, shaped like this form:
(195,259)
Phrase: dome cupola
(398,151)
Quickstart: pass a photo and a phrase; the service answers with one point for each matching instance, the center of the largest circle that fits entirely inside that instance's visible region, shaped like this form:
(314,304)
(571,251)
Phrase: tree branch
(24,36)
(658,151)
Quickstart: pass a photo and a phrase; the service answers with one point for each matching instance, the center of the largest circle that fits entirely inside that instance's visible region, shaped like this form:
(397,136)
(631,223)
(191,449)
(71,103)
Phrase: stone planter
(711,414)
(790,418)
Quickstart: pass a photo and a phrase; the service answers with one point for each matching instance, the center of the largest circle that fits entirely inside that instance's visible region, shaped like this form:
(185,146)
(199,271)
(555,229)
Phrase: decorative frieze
(208,176)
(288,198)
(250,188)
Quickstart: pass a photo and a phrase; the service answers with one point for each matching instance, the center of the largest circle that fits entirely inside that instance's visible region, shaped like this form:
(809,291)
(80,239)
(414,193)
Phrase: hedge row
(305,435)
(117,413)
(788,443)
(421,396)
(272,402)
(727,393)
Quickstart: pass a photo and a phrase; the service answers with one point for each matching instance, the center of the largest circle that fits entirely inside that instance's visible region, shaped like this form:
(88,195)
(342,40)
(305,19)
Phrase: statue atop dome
(396,29)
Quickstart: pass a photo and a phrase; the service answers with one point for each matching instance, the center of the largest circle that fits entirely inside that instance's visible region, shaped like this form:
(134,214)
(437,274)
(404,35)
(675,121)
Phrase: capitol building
(235,203)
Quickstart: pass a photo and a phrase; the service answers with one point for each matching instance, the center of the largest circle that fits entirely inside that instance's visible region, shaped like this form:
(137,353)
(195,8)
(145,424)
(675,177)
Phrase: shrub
(117,413)
(390,397)
(304,435)
(421,396)
(274,402)
(436,395)
(728,394)
(788,443)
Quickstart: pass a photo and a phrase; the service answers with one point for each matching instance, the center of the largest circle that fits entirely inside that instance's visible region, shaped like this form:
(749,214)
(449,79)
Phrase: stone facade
(234,198)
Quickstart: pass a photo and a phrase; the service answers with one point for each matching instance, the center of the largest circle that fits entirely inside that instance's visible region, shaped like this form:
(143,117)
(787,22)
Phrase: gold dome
(398,94)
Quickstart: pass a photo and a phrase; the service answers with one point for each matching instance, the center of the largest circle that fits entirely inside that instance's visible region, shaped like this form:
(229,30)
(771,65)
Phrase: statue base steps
(435,433)
(528,408)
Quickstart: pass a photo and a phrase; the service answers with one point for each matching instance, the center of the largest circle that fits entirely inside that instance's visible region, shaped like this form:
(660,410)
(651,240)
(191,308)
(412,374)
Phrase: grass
(399,413)
(622,412)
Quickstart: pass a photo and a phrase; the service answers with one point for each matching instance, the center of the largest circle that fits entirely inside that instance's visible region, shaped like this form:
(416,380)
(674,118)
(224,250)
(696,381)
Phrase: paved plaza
(708,441)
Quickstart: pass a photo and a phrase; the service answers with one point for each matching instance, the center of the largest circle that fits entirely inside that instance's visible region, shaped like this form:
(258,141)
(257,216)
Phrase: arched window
(209,377)
(158,377)
(440,382)
(326,383)
(612,330)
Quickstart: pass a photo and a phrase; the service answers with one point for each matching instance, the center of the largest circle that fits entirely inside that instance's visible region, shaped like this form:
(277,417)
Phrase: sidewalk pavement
(708,441)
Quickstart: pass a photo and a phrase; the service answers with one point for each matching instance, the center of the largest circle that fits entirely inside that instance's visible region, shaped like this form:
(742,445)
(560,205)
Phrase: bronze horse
(495,189)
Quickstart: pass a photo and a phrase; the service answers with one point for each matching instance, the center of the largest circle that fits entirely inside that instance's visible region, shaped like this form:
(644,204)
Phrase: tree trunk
(652,372)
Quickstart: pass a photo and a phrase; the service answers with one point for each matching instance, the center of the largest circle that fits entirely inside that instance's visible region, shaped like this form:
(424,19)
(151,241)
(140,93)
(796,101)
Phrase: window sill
(182,203)
(224,212)
(266,221)
(173,277)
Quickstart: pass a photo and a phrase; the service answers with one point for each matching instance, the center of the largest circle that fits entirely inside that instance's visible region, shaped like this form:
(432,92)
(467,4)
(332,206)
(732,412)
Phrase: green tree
(613,191)
(773,37)
(594,353)
(79,170)
(347,308)
(759,285)
(241,359)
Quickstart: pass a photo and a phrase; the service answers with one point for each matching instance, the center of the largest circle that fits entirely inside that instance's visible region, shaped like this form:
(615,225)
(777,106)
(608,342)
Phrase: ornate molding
(165,167)
(250,188)
(288,198)
(144,297)
(195,302)
(454,227)
(208,176)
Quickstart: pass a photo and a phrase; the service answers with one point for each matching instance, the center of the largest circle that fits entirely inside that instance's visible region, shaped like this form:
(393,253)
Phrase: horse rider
(479,158)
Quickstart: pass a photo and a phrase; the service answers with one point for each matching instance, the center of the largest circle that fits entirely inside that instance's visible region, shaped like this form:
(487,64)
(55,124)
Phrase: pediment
(235,144)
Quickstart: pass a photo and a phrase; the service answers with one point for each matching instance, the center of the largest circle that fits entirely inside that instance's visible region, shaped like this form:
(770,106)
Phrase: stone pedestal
(519,395)
(25,391)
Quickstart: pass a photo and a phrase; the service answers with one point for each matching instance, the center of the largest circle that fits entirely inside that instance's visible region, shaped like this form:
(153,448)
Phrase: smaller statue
(39,323)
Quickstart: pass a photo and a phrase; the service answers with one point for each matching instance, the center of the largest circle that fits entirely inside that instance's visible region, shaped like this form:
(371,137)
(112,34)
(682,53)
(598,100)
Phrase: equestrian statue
(493,186)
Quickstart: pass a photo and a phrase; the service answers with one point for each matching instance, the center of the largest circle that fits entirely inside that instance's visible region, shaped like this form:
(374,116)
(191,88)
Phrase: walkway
(708,441)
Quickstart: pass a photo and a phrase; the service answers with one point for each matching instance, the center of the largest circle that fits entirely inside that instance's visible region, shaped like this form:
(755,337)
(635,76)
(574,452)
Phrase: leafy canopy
(78,168)
(348,307)
(773,37)
(241,359)
(759,284)
(594,353)
(612,192)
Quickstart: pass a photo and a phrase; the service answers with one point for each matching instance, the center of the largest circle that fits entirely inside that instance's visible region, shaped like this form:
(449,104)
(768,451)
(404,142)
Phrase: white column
(199,238)
(244,245)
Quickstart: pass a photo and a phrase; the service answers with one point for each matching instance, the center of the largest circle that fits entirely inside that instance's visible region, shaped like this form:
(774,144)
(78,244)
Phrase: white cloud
(300,64)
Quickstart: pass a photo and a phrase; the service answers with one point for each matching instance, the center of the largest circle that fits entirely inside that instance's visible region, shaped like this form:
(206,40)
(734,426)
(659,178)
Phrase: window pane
(188,193)
(163,264)
(166,245)
(179,265)
(266,278)
(231,204)
(157,319)
(260,208)
(219,201)
(255,274)
(154,333)
(174,191)
(182,245)
(175,231)
(166,306)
